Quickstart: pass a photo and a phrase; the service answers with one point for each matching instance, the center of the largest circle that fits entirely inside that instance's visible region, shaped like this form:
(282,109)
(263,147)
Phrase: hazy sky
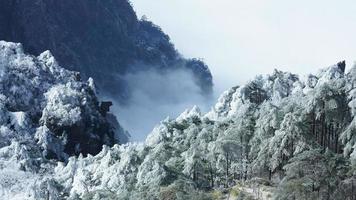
(241,38)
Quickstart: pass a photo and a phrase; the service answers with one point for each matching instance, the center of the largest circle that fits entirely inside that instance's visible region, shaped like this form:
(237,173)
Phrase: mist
(156,96)
(239,39)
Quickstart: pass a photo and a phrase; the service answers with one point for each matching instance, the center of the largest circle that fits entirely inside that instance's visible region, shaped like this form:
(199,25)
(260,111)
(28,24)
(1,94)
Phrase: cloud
(239,39)
(156,95)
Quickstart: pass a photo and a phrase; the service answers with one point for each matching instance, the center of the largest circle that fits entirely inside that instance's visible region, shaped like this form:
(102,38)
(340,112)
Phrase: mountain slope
(294,134)
(278,127)
(100,39)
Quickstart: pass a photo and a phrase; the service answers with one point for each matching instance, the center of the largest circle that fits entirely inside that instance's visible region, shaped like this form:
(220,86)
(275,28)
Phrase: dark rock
(105,107)
(342,65)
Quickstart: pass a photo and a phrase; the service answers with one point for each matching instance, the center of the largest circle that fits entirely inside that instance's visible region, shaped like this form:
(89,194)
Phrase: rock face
(100,39)
(44,103)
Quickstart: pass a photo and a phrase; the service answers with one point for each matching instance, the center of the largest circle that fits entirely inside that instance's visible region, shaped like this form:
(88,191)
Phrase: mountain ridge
(100,39)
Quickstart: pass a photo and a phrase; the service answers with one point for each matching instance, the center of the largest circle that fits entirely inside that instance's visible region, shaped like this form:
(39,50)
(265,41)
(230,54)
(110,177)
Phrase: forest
(279,136)
(293,136)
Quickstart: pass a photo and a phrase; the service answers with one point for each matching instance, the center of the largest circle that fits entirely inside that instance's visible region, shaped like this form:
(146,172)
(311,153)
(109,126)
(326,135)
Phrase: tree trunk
(270,174)
(211,176)
(227,165)
(352,189)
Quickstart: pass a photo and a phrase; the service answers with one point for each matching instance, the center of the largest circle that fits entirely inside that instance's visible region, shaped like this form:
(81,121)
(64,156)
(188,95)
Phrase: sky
(239,39)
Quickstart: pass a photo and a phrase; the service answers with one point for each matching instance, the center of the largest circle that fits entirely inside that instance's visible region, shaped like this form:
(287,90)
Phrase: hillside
(292,134)
(99,39)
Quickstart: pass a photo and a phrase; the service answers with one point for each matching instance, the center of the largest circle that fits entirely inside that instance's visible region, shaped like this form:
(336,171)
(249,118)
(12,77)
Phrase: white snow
(252,128)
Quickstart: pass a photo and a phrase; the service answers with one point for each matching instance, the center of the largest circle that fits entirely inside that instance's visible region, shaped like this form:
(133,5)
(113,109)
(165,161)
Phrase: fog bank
(155,96)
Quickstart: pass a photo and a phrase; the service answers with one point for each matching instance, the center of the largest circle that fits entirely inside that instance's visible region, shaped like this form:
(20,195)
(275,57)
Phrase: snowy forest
(288,137)
(279,136)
